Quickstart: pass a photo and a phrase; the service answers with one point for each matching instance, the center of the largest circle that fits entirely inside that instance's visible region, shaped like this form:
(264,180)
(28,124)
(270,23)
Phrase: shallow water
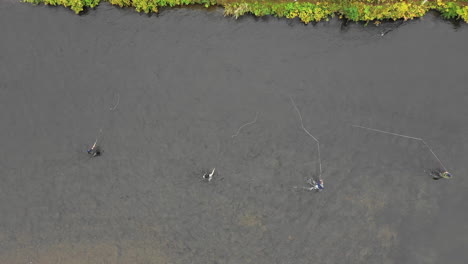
(186,81)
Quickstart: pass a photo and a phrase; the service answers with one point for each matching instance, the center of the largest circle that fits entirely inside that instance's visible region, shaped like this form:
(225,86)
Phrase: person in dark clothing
(440,174)
(94,151)
(209,176)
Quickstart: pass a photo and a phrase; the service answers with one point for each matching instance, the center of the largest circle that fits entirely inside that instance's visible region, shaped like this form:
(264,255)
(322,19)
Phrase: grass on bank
(306,10)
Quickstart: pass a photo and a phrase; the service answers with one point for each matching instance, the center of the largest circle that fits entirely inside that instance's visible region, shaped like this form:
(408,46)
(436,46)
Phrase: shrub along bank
(306,10)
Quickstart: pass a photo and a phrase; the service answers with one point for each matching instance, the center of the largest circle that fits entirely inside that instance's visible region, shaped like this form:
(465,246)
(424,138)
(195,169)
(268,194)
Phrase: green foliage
(91,3)
(75,5)
(35,2)
(463,13)
(306,10)
(236,9)
(121,3)
(352,13)
(449,10)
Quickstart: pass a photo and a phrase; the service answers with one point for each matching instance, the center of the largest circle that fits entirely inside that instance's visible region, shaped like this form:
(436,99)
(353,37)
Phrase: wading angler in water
(94,151)
(313,185)
(440,174)
(209,176)
(317,186)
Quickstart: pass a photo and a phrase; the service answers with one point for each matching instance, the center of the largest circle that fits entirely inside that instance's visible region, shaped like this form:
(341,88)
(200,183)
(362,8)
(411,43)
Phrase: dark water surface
(185,81)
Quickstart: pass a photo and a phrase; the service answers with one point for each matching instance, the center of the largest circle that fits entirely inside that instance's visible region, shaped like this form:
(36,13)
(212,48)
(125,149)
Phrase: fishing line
(115,106)
(100,130)
(308,133)
(98,137)
(246,124)
(381,131)
(400,135)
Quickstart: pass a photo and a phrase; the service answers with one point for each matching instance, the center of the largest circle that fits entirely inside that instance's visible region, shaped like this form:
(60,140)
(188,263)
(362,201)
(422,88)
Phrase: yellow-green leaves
(306,10)
(75,5)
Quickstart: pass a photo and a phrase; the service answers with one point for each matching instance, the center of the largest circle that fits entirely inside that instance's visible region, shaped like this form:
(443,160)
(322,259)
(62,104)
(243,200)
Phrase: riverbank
(307,11)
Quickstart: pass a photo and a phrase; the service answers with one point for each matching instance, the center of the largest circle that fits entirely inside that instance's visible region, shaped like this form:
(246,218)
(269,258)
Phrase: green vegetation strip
(306,10)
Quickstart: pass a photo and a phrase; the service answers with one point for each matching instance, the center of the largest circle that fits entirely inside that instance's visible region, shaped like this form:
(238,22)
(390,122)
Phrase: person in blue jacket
(318,186)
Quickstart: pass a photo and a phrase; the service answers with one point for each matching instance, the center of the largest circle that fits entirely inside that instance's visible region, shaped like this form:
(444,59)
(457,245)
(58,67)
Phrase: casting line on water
(246,124)
(404,136)
(308,133)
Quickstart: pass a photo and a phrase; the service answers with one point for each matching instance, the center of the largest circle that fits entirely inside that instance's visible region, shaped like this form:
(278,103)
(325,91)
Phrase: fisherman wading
(94,151)
(209,176)
(440,174)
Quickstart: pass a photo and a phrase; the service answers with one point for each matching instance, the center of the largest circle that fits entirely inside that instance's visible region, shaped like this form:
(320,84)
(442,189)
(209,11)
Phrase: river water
(169,93)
